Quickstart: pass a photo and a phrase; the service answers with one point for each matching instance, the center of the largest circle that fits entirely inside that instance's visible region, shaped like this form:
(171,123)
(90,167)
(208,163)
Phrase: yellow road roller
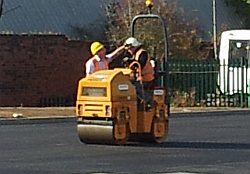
(109,110)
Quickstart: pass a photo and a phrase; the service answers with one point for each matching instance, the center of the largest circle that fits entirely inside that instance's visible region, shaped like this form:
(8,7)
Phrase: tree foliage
(242,7)
(183,35)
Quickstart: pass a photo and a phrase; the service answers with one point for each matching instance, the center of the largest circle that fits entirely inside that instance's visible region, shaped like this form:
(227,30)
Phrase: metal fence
(209,83)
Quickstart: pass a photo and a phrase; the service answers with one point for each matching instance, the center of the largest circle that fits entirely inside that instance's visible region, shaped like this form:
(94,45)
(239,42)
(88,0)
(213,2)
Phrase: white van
(234,58)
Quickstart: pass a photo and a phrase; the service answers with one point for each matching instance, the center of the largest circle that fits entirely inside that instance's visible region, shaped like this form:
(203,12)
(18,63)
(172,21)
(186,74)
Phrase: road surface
(209,143)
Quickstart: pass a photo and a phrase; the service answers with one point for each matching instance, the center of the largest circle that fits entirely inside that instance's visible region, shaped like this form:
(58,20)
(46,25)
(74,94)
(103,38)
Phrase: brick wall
(40,70)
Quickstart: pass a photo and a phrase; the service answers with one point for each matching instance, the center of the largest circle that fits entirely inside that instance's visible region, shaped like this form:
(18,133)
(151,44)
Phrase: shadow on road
(196,145)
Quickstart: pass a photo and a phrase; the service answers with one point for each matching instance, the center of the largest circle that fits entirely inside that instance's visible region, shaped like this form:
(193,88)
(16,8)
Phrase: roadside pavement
(36,112)
(7,113)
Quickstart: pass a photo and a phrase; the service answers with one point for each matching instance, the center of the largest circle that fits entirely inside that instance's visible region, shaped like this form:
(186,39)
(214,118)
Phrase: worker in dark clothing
(147,70)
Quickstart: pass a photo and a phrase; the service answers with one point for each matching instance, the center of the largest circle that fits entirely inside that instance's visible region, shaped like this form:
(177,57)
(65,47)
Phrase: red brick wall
(40,70)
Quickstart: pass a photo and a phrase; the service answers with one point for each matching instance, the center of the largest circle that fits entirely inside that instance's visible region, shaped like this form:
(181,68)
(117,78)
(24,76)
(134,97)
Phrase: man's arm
(89,67)
(116,52)
(143,59)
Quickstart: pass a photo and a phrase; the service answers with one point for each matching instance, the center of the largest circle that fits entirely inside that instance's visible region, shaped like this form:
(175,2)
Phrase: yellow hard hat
(95,47)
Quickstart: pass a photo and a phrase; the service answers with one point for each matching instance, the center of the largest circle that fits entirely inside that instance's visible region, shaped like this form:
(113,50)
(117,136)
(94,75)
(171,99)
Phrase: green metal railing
(55,101)
(199,83)
(205,83)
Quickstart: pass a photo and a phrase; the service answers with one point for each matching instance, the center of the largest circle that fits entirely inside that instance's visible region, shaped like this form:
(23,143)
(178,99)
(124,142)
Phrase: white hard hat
(132,42)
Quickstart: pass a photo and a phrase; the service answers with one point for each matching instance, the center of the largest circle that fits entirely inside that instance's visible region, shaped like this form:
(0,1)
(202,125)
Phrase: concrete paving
(41,113)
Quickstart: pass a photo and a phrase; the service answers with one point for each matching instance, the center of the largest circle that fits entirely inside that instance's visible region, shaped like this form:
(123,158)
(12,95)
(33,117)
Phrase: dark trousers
(144,96)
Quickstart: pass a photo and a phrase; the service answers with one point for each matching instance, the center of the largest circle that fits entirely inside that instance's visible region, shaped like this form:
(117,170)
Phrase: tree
(183,35)
(242,7)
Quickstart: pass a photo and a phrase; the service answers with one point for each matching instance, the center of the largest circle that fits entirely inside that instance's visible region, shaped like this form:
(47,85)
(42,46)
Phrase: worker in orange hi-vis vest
(100,59)
(147,70)
(141,55)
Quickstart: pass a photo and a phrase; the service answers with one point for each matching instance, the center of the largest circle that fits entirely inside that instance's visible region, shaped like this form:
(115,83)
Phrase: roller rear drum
(102,133)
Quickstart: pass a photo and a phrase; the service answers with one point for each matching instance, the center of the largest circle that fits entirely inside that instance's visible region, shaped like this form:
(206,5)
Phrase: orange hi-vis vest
(97,64)
(147,71)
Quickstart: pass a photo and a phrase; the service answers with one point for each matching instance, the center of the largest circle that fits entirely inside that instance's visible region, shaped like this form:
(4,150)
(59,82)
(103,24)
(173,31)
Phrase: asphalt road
(209,143)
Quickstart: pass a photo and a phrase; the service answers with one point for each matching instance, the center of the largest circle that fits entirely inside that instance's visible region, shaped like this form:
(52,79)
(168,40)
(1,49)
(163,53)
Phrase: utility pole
(215,29)
(1,8)
(129,10)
